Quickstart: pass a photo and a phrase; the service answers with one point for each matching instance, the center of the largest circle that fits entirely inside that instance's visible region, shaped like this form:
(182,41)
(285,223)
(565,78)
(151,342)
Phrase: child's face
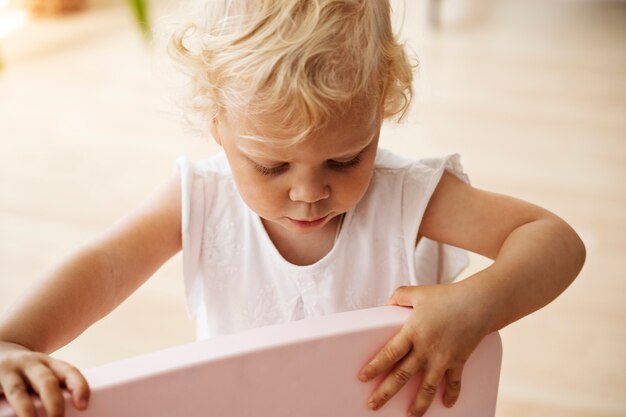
(303,186)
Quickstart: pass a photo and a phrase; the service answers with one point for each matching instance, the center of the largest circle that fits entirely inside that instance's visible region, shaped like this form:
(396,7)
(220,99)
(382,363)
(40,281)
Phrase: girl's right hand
(22,369)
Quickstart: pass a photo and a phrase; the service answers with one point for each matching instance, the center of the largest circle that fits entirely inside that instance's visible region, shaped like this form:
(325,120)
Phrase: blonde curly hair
(307,61)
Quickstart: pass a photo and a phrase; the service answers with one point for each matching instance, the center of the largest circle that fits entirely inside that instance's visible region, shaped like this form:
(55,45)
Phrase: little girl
(302,214)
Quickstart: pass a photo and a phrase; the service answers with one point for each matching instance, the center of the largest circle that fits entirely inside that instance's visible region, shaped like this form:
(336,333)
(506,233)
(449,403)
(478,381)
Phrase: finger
(401,297)
(73,380)
(427,391)
(16,392)
(46,385)
(395,349)
(396,379)
(453,386)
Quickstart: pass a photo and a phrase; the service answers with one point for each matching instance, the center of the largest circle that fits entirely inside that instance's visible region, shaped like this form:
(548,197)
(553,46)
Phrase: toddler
(302,214)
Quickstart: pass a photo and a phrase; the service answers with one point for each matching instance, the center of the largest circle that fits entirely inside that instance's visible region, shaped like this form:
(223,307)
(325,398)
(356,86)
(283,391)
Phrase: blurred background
(531,93)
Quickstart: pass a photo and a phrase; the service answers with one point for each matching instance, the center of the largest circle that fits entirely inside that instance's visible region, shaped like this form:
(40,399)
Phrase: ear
(215,131)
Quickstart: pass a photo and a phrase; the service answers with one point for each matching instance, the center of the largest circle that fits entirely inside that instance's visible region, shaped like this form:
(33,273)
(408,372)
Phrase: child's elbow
(575,248)
(582,252)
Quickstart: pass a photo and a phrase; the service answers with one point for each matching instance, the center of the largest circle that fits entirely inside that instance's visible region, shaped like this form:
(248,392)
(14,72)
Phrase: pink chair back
(305,368)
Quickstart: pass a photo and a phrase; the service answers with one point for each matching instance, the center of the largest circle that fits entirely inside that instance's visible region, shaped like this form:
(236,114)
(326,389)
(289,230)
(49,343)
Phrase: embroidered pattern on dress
(358,298)
(220,248)
(261,309)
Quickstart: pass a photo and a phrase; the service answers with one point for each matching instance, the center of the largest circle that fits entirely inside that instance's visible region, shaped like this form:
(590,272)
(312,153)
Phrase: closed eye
(339,165)
(270,171)
(345,164)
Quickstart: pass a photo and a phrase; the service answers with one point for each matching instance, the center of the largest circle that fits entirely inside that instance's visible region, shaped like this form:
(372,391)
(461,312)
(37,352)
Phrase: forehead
(263,137)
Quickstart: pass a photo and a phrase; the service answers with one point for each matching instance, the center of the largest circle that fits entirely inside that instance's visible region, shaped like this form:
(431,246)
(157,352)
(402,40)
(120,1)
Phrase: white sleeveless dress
(235,278)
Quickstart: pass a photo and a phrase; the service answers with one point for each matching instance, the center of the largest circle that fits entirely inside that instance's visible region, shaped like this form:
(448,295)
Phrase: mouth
(306,223)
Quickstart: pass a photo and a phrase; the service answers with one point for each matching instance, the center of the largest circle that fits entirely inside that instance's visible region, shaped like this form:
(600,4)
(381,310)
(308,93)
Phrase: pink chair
(305,368)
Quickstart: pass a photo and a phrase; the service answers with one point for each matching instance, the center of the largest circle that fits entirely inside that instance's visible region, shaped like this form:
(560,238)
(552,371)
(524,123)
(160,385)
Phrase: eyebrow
(249,152)
(261,155)
(356,150)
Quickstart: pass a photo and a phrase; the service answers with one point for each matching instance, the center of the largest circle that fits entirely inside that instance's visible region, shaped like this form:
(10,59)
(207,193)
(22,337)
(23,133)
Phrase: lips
(308,222)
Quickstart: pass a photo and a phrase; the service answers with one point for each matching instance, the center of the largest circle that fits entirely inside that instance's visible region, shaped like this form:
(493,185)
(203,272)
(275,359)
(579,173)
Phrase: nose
(309,188)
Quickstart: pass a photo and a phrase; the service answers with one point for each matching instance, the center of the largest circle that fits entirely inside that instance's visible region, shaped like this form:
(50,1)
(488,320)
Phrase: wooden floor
(532,94)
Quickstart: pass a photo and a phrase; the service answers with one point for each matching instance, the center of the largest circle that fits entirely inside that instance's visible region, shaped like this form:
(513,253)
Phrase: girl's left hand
(438,338)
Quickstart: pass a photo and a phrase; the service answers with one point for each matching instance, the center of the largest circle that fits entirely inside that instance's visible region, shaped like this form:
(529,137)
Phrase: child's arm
(82,289)
(537,255)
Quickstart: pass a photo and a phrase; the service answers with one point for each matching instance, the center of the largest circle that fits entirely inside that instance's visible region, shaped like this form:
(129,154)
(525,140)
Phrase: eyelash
(346,165)
(270,171)
(263,170)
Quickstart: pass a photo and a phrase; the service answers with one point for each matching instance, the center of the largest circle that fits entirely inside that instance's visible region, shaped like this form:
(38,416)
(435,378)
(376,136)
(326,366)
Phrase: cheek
(261,196)
(351,188)
(248,183)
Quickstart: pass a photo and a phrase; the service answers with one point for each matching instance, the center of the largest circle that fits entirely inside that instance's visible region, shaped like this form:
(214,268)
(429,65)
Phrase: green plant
(140,11)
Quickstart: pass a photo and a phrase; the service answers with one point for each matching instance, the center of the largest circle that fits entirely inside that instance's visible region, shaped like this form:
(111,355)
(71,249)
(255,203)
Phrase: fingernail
(363,377)
(372,405)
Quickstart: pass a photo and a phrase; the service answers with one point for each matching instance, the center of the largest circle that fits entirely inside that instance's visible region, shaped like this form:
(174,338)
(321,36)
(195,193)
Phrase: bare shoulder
(477,220)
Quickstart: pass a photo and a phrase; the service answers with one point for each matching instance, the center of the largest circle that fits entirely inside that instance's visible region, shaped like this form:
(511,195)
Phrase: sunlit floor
(532,94)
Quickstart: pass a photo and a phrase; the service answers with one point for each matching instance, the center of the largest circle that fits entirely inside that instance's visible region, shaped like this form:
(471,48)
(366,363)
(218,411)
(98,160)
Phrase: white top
(235,278)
